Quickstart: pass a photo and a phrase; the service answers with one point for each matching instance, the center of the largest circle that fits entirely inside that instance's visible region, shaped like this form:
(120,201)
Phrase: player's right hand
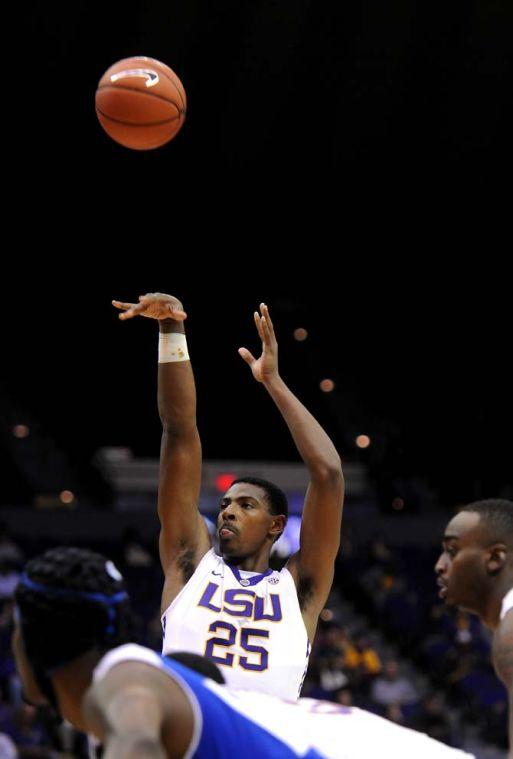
(154,306)
(265,368)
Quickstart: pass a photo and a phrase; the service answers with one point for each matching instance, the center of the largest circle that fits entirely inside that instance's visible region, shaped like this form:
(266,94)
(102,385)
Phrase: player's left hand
(264,368)
(153,306)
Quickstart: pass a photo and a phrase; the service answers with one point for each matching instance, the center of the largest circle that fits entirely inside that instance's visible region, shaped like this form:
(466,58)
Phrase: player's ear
(496,558)
(278,525)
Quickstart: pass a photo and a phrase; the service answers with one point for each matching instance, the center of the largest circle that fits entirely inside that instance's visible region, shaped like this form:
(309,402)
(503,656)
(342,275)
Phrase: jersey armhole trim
(203,558)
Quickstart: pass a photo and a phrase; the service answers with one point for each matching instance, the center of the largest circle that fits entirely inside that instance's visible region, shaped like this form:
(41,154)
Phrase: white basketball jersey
(507,603)
(250,624)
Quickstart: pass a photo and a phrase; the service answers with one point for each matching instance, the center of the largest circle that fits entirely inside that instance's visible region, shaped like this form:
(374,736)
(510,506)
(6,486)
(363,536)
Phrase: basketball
(141,103)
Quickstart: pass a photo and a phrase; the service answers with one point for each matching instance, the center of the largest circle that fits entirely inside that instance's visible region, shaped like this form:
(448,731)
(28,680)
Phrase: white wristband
(172,347)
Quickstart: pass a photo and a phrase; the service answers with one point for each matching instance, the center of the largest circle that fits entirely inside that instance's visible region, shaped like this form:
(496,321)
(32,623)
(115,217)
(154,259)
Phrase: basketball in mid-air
(141,103)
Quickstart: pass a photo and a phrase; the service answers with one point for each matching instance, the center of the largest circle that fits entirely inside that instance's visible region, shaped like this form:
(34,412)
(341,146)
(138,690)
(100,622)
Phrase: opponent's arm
(313,566)
(137,712)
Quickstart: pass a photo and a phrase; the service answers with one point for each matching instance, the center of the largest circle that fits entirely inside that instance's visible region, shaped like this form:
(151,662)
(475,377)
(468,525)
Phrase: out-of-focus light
(20,431)
(363,441)
(300,334)
(223,481)
(326,615)
(398,504)
(66,496)
(327,385)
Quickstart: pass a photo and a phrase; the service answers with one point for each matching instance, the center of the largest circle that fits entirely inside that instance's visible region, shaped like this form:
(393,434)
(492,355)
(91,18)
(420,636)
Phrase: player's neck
(256,562)
(71,683)
(491,615)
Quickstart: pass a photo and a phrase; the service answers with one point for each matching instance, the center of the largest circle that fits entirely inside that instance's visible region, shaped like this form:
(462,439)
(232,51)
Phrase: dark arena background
(350,166)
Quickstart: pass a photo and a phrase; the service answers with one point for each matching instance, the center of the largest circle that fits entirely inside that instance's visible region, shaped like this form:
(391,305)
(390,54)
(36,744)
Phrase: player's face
(244,520)
(461,568)
(29,685)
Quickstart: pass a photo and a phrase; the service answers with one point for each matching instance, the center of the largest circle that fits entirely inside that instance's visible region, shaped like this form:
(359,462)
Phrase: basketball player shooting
(256,623)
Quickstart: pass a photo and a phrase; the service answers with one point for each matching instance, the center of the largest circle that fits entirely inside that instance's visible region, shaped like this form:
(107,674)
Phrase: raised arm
(184,537)
(313,566)
(138,713)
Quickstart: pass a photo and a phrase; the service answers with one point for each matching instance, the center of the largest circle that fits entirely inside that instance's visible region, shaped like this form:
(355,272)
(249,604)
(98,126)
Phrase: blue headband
(109,601)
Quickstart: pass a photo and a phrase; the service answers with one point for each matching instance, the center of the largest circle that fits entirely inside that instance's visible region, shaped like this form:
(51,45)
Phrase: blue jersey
(243,724)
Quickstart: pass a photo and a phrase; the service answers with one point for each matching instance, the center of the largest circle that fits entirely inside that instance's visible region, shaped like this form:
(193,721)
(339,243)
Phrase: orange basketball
(140,103)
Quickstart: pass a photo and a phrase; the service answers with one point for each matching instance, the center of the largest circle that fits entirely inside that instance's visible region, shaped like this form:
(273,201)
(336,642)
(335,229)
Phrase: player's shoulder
(131,663)
(129,652)
(502,650)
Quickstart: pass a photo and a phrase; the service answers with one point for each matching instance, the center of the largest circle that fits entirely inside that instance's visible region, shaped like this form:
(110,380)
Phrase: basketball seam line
(131,124)
(136,89)
(176,88)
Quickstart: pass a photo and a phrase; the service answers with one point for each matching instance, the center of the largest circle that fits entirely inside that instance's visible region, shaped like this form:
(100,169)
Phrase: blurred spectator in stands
(28,731)
(344,697)
(134,553)
(7,748)
(392,687)
(10,552)
(9,577)
(362,656)
(332,675)
(463,629)
(361,663)
(464,662)
(394,713)
(495,725)
(6,716)
(312,686)
(332,641)
(433,719)
(384,575)
(381,555)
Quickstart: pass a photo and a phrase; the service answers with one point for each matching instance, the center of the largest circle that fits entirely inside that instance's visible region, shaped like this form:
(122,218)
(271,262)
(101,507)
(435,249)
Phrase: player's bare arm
(503,662)
(138,713)
(313,566)
(184,538)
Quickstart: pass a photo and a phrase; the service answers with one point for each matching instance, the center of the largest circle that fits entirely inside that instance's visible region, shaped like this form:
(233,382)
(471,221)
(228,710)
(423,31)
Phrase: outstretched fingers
(120,304)
(258,324)
(247,356)
(267,339)
(267,316)
(130,309)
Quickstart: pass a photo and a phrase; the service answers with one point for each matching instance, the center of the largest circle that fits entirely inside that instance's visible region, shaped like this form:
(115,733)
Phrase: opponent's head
(477,554)
(68,601)
(200,664)
(253,512)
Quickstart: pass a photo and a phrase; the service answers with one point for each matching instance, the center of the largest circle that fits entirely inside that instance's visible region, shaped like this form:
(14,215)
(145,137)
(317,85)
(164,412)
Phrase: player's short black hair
(497,513)
(276,497)
(199,664)
(70,600)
